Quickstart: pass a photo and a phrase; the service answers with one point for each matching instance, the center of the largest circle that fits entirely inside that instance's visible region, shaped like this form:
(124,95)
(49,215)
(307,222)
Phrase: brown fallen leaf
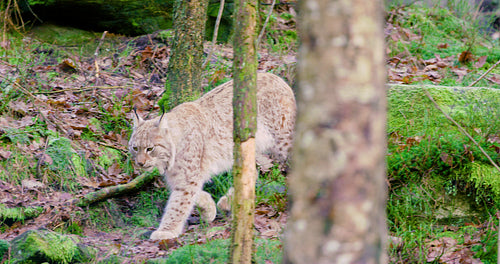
(460,72)
(495,78)
(443,45)
(5,154)
(480,62)
(465,57)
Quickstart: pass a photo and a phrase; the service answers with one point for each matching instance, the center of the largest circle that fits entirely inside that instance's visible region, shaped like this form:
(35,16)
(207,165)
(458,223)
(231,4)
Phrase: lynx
(194,141)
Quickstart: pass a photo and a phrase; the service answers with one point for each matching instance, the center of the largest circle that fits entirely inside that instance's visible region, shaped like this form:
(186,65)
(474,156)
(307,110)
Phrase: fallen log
(116,190)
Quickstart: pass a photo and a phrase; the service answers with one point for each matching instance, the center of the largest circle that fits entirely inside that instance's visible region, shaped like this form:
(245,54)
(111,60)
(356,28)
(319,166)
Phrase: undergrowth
(217,251)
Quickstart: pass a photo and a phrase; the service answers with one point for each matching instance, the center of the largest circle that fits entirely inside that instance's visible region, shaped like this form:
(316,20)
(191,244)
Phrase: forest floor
(64,126)
(65,118)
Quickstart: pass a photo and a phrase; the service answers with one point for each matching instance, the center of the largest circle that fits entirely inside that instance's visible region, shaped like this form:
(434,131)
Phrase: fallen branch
(484,74)
(461,129)
(116,190)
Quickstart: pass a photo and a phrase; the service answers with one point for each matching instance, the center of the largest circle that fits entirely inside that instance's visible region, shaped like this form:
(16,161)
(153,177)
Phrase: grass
(266,250)
(149,208)
(434,169)
(425,33)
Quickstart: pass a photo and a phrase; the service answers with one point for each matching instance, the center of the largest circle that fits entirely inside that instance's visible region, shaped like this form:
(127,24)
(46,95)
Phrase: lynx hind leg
(225,201)
(206,204)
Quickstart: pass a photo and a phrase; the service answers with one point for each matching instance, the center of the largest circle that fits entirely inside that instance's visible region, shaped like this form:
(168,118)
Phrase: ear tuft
(162,122)
(137,119)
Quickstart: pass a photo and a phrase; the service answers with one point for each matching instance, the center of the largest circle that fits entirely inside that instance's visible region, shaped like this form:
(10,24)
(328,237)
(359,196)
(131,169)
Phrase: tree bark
(185,65)
(245,127)
(337,184)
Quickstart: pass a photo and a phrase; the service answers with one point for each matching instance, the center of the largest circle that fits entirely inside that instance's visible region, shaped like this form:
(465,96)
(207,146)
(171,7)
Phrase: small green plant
(219,185)
(106,216)
(271,189)
(148,207)
(217,251)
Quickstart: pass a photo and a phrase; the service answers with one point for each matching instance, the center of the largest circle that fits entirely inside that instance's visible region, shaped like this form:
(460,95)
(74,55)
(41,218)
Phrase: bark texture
(337,184)
(245,127)
(185,65)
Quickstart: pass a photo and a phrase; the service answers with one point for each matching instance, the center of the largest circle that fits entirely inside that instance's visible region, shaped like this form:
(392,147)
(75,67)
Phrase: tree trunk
(184,68)
(245,127)
(337,184)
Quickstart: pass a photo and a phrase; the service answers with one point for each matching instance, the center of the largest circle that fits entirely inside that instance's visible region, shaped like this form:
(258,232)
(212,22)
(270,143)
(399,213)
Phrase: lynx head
(150,144)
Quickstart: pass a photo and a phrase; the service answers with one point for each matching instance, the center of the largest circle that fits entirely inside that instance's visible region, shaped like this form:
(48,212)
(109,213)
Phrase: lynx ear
(162,123)
(137,119)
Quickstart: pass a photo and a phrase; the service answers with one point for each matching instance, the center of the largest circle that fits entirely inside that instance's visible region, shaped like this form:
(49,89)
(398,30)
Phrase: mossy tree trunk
(245,127)
(185,65)
(337,183)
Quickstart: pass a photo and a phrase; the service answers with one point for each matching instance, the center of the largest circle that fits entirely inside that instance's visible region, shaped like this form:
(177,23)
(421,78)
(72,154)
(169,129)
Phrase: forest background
(67,94)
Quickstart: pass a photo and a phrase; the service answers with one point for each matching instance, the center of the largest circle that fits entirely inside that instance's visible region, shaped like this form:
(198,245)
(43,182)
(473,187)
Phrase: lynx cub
(194,141)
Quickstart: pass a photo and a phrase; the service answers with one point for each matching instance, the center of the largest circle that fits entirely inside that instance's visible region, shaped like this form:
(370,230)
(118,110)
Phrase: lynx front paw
(163,235)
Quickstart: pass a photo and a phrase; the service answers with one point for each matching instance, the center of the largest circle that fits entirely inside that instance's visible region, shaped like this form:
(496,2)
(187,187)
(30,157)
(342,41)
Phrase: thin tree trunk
(245,127)
(185,65)
(337,184)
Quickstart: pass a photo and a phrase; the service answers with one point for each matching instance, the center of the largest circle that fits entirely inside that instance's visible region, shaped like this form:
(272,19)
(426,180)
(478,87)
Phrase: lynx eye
(149,149)
(135,148)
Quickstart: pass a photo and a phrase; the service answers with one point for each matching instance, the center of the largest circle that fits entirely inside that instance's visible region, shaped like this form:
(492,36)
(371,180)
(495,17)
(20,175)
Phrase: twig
(484,74)
(460,128)
(265,24)
(123,151)
(81,89)
(216,31)
(96,53)
(6,12)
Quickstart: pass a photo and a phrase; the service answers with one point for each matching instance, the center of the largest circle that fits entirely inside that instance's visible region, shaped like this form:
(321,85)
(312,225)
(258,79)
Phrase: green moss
(410,110)
(109,157)
(18,213)
(485,177)
(63,35)
(79,165)
(38,246)
(428,156)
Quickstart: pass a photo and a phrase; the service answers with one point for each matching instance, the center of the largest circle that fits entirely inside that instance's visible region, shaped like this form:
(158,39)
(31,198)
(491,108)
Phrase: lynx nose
(140,163)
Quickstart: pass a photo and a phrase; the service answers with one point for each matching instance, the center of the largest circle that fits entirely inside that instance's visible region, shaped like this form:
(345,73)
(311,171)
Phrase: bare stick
(216,31)
(81,89)
(484,74)
(96,53)
(460,128)
(265,24)
(6,16)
